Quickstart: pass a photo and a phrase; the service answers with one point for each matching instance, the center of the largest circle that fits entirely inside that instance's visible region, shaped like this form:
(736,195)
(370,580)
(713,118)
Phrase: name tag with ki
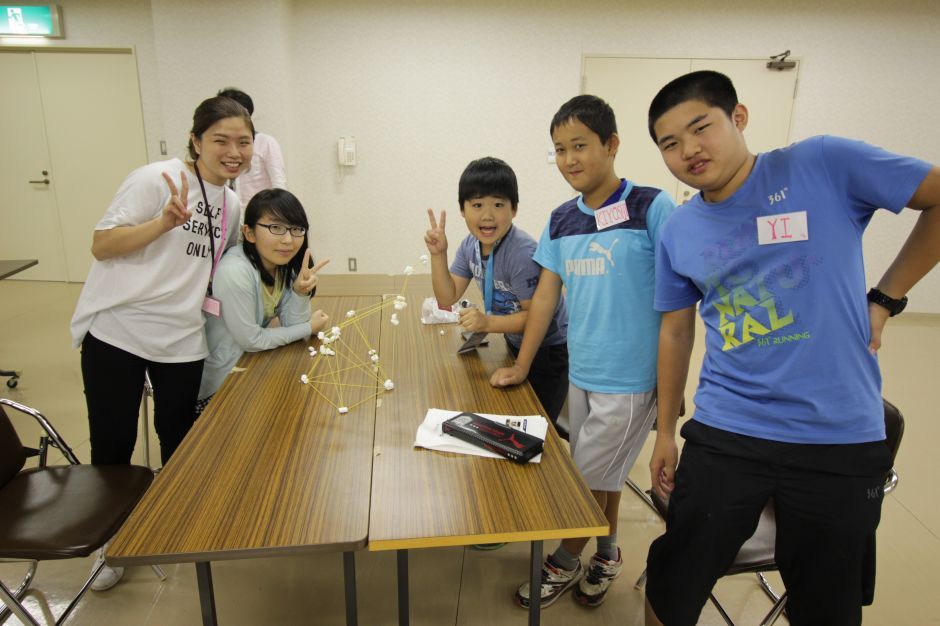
(782,228)
(611,215)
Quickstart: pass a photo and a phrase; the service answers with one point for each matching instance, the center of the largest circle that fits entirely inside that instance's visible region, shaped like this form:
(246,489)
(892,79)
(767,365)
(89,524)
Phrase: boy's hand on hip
(473,319)
(878,315)
(508,376)
(663,464)
(435,238)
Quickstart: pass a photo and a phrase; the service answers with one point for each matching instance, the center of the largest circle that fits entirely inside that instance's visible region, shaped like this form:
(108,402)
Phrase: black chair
(57,512)
(756,556)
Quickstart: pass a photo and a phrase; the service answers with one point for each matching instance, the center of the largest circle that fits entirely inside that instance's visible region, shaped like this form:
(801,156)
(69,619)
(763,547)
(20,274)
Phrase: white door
(29,221)
(91,114)
(630,83)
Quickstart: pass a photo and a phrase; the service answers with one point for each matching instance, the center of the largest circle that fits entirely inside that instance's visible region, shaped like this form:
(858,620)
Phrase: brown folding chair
(756,556)
(57,512)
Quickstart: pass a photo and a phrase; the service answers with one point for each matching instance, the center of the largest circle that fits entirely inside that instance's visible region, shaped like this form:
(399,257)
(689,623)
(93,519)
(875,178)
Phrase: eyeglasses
(279,230)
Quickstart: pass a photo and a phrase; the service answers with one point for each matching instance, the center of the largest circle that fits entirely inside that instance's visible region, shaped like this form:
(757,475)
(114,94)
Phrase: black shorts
(828,505)
(548,376)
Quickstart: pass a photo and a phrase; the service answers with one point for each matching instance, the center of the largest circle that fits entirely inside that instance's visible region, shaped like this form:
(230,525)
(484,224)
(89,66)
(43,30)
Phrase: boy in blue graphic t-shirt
(789,401)
(601,247)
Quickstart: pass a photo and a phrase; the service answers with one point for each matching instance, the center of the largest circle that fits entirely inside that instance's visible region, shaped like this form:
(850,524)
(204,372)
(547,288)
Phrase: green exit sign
(28,20)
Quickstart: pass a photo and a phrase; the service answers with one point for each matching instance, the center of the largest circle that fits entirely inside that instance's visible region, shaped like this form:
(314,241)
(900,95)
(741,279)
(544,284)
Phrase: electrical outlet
(550,157)
(352,264)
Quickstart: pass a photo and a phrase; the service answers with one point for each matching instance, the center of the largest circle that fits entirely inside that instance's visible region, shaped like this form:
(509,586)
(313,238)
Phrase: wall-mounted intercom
(346,151)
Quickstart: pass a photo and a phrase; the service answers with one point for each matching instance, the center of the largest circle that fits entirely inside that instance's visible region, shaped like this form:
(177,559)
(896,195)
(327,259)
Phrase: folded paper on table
(431,313)
(430,436)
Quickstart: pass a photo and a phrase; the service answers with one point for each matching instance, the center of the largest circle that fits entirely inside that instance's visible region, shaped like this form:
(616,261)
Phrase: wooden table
(423,499)
(269,469)
(8,268)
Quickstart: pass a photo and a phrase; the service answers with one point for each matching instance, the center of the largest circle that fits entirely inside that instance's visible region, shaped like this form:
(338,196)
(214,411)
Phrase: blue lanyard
(488,274)
(488,283)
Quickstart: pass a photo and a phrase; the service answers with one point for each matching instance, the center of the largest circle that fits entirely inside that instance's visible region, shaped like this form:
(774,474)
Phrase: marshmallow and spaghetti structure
(346,350)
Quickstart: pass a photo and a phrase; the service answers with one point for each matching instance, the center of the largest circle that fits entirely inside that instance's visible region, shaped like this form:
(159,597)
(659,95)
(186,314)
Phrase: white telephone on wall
(346,151)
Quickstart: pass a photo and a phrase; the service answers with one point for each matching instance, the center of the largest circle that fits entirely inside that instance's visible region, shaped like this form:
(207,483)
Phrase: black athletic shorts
(828,505)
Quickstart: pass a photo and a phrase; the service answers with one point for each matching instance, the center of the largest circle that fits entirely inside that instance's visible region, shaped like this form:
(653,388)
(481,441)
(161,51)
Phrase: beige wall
(426,86)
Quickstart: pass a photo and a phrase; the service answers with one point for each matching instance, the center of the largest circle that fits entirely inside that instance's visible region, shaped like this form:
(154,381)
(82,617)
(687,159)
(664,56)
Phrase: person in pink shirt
(267,165)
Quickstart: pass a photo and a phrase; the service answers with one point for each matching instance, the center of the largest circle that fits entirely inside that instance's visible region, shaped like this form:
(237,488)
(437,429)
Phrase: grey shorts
(608,431)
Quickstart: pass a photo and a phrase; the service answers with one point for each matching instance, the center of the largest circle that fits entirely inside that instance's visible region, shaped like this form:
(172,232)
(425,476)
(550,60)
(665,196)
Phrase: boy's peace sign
(307,278)
(435,238)
(176,213)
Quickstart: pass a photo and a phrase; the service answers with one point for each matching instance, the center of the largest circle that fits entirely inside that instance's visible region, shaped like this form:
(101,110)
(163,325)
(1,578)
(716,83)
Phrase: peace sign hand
(176,213)
(307,278)
(435,238)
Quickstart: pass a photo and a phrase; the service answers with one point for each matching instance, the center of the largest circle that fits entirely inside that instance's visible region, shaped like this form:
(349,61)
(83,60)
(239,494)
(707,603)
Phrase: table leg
(349,576)
(402,588)
(206,595)
(535,583)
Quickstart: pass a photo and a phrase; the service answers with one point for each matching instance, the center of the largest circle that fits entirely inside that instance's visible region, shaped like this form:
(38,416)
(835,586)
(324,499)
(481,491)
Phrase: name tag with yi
(782,228)
(611,215)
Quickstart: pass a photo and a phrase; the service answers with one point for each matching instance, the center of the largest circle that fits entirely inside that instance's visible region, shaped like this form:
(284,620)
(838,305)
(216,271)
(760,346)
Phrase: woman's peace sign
(176,213)
(307,277)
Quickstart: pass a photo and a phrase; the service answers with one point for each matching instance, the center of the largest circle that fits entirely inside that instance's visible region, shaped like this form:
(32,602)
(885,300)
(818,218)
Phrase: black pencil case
(505,441)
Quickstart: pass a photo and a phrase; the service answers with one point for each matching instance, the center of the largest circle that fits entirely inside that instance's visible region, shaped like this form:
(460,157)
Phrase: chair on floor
(757,554)
(57,512)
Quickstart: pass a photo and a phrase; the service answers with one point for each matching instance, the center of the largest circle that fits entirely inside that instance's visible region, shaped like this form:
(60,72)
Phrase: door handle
(44,181)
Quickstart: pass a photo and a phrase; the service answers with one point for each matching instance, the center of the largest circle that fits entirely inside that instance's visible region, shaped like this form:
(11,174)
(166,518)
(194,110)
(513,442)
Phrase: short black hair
(238,96)
(713,88)
(591,111)
(488,176)
(282,206)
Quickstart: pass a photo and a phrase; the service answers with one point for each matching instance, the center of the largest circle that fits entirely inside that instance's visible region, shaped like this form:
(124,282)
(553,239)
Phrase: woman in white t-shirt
(264,286)
(141,309)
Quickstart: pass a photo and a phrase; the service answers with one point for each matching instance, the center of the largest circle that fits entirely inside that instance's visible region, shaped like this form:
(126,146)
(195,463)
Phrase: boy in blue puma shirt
(601,247)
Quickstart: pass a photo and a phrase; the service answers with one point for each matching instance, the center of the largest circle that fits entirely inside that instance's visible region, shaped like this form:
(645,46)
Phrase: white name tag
(782,228)
(611,214)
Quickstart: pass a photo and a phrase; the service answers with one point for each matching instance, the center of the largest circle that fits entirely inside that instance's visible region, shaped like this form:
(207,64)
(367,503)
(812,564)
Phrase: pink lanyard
(222,238)
(216,255)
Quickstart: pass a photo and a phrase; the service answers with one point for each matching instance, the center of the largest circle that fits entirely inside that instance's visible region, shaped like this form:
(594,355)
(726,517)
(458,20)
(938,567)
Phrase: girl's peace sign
(176,213)
(435,238)
(307,278)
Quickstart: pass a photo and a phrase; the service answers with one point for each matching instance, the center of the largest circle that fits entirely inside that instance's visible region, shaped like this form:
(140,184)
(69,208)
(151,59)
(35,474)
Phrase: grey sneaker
(555,581)
(593,587)
(108,577)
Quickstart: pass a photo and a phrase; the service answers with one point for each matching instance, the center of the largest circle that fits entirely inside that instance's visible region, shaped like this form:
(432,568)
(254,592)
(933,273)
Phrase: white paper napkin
(431,436)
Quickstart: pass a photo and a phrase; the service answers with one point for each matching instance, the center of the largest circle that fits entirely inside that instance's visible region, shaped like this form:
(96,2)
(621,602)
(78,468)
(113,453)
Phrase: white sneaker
(108,577)
(593,587)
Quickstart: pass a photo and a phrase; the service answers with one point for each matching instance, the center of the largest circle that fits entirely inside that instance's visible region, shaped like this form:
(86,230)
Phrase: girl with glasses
(264,288)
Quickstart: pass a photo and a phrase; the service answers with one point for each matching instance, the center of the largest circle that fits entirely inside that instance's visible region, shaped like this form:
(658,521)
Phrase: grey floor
(455,585)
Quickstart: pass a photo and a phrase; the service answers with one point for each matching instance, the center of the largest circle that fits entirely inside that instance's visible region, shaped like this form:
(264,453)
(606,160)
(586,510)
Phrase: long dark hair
(284,207)
(211,111)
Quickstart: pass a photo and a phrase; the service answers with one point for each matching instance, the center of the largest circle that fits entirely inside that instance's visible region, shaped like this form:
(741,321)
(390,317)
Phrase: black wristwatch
(894,306)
